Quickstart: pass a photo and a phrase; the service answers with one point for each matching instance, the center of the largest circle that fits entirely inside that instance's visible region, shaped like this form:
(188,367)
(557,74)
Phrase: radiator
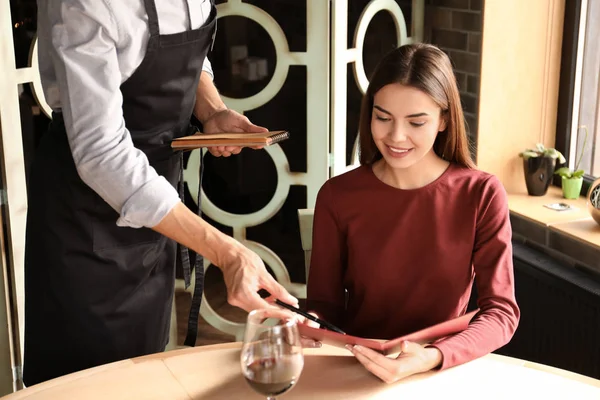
(560,314)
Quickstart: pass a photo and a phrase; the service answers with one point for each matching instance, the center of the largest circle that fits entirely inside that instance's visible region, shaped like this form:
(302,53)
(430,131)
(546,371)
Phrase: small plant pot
(538,174)
(571,187)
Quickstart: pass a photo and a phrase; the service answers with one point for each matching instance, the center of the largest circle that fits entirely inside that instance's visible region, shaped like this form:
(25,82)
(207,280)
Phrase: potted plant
(572,180)
(538,166)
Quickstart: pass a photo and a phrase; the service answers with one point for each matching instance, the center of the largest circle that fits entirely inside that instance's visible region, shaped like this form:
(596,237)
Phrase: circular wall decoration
(361,30)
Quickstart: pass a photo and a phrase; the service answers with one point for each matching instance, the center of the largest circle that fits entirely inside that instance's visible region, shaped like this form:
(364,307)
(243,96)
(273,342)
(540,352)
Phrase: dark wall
(456,27)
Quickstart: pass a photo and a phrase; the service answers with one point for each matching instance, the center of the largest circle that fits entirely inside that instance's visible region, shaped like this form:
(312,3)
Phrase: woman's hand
(308,342)
(413,359)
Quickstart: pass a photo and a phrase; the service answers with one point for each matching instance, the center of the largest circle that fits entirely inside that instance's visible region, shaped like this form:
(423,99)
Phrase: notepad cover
(423,336)
(199,140)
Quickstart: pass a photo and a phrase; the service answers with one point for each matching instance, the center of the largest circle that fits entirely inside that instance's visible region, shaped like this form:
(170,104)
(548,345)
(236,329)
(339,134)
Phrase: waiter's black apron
(96,292)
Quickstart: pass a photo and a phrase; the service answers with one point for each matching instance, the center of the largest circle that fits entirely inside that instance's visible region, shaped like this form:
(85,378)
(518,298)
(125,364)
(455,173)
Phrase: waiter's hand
(306,341)
(228,120)
(245,274)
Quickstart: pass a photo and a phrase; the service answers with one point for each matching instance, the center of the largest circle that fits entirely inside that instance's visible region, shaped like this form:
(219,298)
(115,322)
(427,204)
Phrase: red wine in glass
(273,377)
(271,356)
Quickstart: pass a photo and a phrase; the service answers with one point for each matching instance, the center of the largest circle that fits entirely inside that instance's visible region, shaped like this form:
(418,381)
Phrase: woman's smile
(398,152)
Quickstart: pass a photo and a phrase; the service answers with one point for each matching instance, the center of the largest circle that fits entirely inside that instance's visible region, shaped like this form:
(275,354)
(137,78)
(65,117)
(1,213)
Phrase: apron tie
(192,330)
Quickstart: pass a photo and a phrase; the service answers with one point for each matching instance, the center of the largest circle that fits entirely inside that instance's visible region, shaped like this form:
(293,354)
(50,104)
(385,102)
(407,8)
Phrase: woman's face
(404,124)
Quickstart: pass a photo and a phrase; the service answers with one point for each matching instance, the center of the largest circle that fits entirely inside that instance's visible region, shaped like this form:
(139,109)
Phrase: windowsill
(572,233)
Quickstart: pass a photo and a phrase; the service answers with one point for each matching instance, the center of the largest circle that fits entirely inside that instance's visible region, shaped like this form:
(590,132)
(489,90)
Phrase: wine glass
(271,358)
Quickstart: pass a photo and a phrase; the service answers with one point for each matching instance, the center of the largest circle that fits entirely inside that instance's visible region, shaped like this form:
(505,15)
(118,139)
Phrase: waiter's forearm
(185,227)
(208,100)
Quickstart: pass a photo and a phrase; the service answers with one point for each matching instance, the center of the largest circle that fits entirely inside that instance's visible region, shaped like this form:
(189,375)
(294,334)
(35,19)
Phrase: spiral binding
(279,137)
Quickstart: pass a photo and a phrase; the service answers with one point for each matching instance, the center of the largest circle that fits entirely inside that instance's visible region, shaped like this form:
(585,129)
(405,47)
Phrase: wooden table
(213,372)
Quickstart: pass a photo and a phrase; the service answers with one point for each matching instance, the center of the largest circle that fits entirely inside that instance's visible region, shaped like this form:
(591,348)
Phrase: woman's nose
(398,133)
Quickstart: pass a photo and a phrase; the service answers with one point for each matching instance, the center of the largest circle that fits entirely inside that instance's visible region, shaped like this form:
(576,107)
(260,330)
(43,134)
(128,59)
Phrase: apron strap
(189,14)
(152,17)
(183,250)
(192,330)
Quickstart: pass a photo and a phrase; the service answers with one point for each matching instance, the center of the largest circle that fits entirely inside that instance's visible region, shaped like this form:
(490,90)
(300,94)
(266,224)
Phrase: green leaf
(578,174)
(564,171)
(552,153)
(528,154)
(540,147)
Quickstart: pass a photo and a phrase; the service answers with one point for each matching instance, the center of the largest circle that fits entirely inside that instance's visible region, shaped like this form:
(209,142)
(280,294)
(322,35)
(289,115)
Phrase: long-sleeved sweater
(407,258)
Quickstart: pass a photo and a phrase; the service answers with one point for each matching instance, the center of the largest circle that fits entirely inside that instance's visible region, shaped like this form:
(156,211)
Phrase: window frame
(568,85)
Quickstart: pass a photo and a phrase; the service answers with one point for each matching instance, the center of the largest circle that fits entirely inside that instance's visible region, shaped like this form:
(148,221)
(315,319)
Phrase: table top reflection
(213,372)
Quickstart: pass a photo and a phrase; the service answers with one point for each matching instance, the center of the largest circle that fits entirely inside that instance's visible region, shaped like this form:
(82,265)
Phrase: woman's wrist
(433,358)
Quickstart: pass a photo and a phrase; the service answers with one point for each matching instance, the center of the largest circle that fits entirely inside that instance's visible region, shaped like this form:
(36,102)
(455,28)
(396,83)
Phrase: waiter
(123,79)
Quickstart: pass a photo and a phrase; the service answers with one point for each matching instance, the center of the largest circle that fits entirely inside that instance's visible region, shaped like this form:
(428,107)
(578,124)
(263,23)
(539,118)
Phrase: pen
(324,324)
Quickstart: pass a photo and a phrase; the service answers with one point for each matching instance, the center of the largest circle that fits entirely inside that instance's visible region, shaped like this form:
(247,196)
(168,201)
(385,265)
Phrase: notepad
(423,336)
(199,140)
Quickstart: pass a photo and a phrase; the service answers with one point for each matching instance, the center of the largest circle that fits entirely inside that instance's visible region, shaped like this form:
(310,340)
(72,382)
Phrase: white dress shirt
(87,49)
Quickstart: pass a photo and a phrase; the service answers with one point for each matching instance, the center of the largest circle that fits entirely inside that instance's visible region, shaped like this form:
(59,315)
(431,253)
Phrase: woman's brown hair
(427,68)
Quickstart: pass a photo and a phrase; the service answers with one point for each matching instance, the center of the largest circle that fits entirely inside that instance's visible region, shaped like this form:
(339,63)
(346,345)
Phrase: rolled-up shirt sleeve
(207,67)
(84,53)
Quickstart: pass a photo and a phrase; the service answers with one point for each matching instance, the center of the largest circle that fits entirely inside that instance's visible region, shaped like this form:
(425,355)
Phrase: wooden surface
(532,207)
(213,372)
(585,230)
(576,223)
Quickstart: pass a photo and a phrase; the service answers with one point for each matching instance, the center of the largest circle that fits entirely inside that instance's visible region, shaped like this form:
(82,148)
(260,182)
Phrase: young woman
(398,242)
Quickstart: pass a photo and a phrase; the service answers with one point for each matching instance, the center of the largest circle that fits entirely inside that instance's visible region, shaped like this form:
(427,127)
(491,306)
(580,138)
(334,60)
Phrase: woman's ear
(443,121)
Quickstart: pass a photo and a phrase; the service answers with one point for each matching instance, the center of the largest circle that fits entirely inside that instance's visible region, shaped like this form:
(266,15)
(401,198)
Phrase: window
(587,115)
(578,122)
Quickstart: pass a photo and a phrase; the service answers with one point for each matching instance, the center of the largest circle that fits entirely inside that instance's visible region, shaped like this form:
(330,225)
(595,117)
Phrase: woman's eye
(379,118)
(417,124)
